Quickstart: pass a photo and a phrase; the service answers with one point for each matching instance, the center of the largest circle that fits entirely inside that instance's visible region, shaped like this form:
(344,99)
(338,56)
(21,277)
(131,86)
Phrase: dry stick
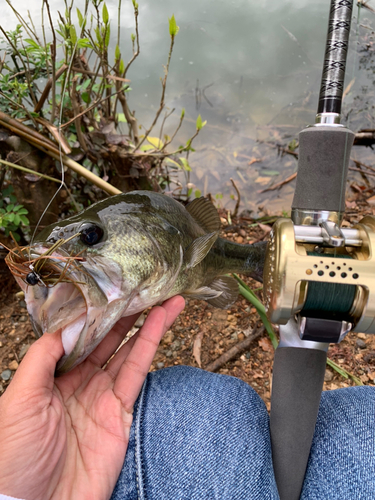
(360,164)
(362,171)
(92,73)
(96,103)
(77,121)
(163,85)
(55,75)
(279,184)
(235,351)
(44,144)
(235,212)
(56,134)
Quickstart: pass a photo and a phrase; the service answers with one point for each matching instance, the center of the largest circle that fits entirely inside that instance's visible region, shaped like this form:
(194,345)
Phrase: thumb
(37,369)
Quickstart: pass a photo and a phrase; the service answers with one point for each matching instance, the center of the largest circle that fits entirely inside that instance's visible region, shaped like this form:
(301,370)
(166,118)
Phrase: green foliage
(199,123)
(12,215)
(173,28)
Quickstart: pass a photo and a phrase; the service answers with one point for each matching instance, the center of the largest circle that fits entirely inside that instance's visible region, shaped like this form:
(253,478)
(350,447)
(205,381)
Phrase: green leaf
(98,36)
(147,147)
(105,14)
(135,5)
(80,18)
(10,217)
(121,67)
(84,43)
(16,220)
(132,37)
(172,162)
(199,123)
(269,172)
(107,35)
(120,117)
(155,141)
(173,28)
(182,113)
(117,53)
(23,211)
(198,193)
(32,42)
(85,96)
(9,207)
(24,220)
(185,164)
(73,34)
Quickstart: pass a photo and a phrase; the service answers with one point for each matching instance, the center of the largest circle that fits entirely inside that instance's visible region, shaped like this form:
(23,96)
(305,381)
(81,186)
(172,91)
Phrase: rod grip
(324,154)
(298,376)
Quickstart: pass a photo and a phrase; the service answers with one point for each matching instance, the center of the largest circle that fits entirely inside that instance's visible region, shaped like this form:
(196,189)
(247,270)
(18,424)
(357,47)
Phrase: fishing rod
(319,278)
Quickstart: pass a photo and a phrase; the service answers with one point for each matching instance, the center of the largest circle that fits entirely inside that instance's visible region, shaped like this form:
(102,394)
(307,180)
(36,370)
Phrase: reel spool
(322,275)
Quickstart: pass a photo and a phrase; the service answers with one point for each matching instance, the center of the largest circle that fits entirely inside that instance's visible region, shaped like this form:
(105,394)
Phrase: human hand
(66,438)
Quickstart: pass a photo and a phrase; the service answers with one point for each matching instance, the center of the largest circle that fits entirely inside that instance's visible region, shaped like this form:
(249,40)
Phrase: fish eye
(32,279)
(91,234)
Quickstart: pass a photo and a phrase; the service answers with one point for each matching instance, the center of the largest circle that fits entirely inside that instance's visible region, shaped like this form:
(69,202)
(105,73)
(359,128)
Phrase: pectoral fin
(198,249)
(222,292)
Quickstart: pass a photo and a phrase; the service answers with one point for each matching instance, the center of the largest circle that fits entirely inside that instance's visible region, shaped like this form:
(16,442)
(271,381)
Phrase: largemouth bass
(131,251)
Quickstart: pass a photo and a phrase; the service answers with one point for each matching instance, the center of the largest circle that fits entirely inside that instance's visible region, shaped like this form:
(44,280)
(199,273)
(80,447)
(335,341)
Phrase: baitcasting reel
(322,275)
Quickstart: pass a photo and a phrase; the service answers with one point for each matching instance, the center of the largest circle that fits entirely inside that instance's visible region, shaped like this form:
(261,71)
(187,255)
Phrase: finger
(173,307)
(134,369)
(37,368)
(112,340)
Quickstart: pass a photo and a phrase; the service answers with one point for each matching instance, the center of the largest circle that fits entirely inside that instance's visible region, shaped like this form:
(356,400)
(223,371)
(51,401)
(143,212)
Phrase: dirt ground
(206,332)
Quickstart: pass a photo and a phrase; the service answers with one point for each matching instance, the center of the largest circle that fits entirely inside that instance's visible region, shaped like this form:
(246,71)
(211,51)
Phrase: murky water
(251,69)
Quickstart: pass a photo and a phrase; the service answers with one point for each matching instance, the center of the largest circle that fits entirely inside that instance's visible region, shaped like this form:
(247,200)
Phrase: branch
(235,350)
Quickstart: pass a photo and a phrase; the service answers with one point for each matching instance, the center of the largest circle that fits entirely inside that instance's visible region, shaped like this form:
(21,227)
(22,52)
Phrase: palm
(75,433)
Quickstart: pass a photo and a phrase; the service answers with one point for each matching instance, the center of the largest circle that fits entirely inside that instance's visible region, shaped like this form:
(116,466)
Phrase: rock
(160,365)
(13,365)
(6,374)
(242,233)
(361,336)
(22,303)
(23,319)
(1,388)
(239,239)
(241,336)
(175,345)
(169,354)
(328,376)
(168,337)
(361,344)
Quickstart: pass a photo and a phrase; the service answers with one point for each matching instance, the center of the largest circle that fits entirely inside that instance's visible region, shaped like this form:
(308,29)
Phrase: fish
(122,255)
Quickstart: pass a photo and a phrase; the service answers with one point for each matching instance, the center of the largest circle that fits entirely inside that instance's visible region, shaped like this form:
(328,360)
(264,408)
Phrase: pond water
(250,68)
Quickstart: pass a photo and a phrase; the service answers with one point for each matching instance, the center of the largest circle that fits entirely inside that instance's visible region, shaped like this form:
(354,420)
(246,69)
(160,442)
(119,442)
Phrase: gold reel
(289,270)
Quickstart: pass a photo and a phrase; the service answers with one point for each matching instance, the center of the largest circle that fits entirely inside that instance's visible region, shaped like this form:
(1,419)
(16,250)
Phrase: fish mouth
(84,308)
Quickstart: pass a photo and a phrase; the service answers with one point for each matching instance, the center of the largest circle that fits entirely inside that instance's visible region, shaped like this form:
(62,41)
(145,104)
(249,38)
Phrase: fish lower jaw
(71,332)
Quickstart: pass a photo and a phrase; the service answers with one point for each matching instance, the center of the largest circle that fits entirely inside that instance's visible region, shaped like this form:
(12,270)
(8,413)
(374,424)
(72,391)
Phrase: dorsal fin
(205,214)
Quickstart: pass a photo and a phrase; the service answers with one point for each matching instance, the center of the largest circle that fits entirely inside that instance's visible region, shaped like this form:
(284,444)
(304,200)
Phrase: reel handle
(298,376)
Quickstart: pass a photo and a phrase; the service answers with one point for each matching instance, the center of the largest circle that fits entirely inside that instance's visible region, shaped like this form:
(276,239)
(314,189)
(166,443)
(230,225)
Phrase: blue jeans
(201,436)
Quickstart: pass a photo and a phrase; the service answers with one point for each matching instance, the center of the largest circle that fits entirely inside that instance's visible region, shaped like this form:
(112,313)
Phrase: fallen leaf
(265,344)
(265,228)
(262,180)
(197,348)
(371,201)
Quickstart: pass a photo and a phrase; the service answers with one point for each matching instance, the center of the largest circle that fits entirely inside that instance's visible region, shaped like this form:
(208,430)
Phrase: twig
(96,103)
(55,76)
(44,144)
(280,184)
(235,212)
(235,350)
(362,172)
(163,85)
(92,73)
(77,121)
(360,164)
(51,83)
